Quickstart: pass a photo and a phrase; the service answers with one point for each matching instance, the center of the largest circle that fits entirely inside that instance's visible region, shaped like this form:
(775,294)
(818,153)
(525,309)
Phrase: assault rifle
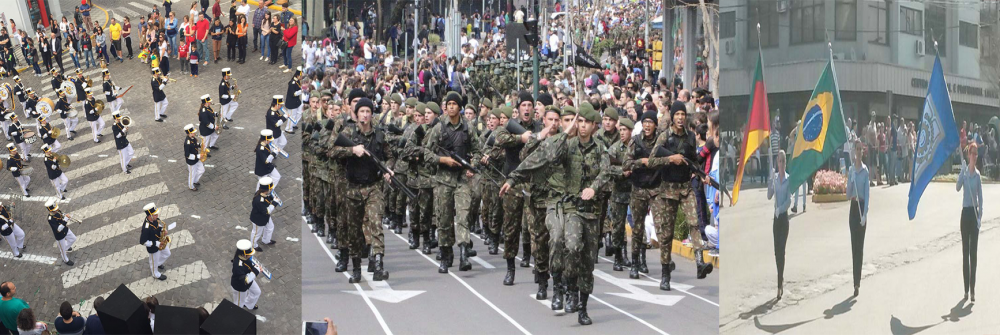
(343,141)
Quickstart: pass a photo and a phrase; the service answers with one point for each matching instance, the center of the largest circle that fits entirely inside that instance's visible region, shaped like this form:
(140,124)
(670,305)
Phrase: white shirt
(553,42)
(474,44)
(244,9)
(388,61)
(194,16)
(368,51)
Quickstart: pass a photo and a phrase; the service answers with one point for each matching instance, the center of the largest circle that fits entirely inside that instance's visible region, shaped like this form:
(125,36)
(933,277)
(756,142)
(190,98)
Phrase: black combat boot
(428,249)
(665,280)
(509,278)
(526,260)
(366,251)
(543,286)
(627,261)
(463,257)
(557,291)
(443,265)
(397,222)
(633,272)
(320,228)
(356,271)
(449,256)
(582,316)
(608,250)
(618,260)
(414,240)
(642,260)
(334,244)
(703,268)
(572,296)
(341,260)
(315,227)
(380,272)
(402,219)
(469,251)
(434,237)
(494,246)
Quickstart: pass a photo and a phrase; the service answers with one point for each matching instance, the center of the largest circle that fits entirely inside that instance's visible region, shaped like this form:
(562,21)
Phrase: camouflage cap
(612,113)
(396,98)
(568,110)
(486,102)
(412,102)
(507,111)
(627,123)
(588,113)
(434,107)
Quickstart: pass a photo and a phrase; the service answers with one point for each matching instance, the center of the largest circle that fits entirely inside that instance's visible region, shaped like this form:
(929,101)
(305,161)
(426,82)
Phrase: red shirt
(182,50)
(216,10)
(202,29)
(290,36)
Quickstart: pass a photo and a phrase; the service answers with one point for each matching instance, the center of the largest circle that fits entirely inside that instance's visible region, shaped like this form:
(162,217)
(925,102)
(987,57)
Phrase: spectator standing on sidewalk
(116,39)
(127,36)
(291,36)
(171,25)
(217,31)
(258,21)
(69,322)
(85,11)
(27,324)
(94,325)
(265,32)
(275,36)
(202,37)
(10,307)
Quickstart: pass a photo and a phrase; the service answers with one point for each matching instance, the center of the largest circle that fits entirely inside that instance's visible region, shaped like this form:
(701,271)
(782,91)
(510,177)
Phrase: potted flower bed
(829,186)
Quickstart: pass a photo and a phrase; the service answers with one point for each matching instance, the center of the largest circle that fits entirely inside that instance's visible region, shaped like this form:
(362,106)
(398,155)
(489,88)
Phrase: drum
(45,106)
(30,136)
(6,91)
(73,114)
(68,87)
(27,171)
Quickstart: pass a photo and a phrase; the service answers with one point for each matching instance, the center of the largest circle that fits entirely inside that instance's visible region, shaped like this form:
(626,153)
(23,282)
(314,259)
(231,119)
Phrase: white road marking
(288,238)
(147,286)
(33,198)
(680,287)
(115,179)
(382,291)
(299,179)
(260,318)
(129,13)
(27,258)
(118,201)
(196,216)
(241,228)
(483,263)
(154,156)
(548,304)
(144,8)
(172,160)
(209,165)
(154,2)
(136,253)
(104,149)
(378,316)
(658,330)
(240,128)
(636,293)
(118,228)
(104,163)
(102,156)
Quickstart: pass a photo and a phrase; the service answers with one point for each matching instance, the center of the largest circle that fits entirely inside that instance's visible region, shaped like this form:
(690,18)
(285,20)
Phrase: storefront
(28,13)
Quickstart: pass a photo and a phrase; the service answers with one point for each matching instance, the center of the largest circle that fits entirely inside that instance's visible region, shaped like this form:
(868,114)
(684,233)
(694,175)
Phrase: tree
(709,14)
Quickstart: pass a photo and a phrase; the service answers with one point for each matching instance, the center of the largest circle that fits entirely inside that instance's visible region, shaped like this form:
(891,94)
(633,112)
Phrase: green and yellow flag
(821,131)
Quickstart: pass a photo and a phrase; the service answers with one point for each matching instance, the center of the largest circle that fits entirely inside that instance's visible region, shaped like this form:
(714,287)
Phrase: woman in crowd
(972,216)
(291,36)
(102,46)
(217,31)
(241,36)
(857,192)
(778,189)
(72,46)
(231,41)
(28,325)
(265,33)
(274,36)
(126,35)
(171,25)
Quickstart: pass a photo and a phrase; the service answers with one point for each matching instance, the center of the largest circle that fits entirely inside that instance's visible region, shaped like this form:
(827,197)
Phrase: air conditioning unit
(782,6)
(920,48)
(730,47)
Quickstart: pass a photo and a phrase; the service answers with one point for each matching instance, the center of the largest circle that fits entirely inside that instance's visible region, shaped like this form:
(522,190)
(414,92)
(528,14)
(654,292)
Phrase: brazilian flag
(821,131)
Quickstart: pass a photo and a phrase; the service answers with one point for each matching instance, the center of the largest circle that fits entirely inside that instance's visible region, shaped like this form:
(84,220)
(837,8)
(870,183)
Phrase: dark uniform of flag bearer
(154,239)
(208,125)
(244,283)
(158,83)
(192,156)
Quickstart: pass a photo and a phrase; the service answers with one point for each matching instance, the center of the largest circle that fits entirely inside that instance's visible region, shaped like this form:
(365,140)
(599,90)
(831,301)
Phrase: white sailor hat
(17,78)
(29,90)
(266,134)
(88,91)
(116,114)
(11,147)
(46,148)
(245,247)
(51,205)
(278,100)
(206,98)
(150,209)
(189,128)
(41,118)
(10,116)
(79,71)
(227,71)
(105,72)
(266,183)
(156,70)
(298,71)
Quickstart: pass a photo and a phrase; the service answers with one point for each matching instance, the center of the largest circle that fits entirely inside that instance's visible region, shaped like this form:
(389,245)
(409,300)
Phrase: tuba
(164,238)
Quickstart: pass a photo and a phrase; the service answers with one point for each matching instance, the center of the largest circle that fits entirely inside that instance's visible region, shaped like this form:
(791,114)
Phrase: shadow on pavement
(774,329)
(957,313)
(898,328)
(840,308)
(759,310)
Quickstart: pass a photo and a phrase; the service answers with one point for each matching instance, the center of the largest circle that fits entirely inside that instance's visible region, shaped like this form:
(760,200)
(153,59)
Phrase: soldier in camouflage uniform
(452,136)
(406,169)
(621,189)
(347,119)
(322,168)
(364,195)
(574,159)
(393,119)
(645,188)
(492,164)
(476,190)
(422,223)
(608,136)
(535,205)
(309,121)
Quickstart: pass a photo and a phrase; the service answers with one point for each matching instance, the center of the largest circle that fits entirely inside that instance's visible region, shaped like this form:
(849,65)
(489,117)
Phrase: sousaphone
(6,91)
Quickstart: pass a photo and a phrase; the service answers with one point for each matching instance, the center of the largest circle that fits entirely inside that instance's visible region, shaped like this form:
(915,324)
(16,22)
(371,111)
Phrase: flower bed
(829,186)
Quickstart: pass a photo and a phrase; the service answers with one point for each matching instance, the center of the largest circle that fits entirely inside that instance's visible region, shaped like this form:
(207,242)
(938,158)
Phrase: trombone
(70,219)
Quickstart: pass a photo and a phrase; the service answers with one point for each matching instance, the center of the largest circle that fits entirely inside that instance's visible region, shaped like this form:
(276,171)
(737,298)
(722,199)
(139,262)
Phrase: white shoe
(287,70)
(261,57)
(267,59)
(282,66)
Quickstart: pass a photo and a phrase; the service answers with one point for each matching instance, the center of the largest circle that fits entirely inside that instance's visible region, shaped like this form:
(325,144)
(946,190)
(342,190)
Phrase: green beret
(553,109)
(627,123)
(611,112)
(470,106)
(326,93)
(434,107)
(486,102)
(507,111)
(402,109)
(314,94)
(420,107)
(396,98)
(412,102)
(568,110)
(588,113)
(496,112)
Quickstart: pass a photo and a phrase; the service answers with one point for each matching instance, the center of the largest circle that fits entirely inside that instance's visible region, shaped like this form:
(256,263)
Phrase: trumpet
(70,219)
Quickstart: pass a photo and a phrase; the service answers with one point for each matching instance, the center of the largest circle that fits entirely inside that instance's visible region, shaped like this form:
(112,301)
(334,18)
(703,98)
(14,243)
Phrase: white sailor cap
(245,247)
(227,71)
(150,209)
(278,100)
(46,148)
(11,147)
(51,205)
(206,98)
(266,183)
(266,134)
(189,128)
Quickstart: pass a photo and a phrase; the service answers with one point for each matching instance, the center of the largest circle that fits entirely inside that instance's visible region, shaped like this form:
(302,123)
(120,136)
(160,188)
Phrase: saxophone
(164,238)
(204,150)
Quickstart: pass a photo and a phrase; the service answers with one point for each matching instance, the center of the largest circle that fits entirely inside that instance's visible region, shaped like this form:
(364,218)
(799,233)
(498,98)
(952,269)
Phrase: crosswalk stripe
(148,287)
(103,147)
(119,201)
(28,258)
(154,2)
(144,8)
(121,227)
(104,163)
(113,180)
(128,12)
(103,265)
(33,198)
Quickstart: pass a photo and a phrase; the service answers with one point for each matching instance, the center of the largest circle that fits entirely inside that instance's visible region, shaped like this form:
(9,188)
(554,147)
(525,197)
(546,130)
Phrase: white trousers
(66,243)
(260,233)
(15,240)
(97,127)
(280,142)
(117,104)
(274,176)
(126,155)
(194,173)
(249,298)
(6,124)
(160,108)
(212,138)
(56,146)
(294,114)
(23,181)
(158,258)
(60,184)
(25,150)
(229,109)
(70,125)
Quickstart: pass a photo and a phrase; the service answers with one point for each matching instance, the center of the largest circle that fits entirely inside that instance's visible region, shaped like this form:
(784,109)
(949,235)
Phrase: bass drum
(45,106)
(6,91)
(68,87)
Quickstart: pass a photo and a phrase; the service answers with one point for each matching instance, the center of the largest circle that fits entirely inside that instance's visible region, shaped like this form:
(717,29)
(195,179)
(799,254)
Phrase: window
(846,16)
(935,29)
(911,21)
(807,24)
(878,22)
(727,25)
(766,13)
(968,35)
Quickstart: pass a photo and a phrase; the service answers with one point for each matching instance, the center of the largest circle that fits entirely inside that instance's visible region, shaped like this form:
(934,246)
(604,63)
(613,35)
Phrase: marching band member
(56,175)
(20,92)
(29,106)
(3,120)
(152,231)
(192,154)
(15,131)
(57,79)
(111,92)
(226,96)
(264,167)
(45,131)
(207,126)
(15,163)
(121,142)
(159,97)
(246,291)
(294,104)
(260,213)
(64,236)
(11,232)
(64,106)
(81,83)
(274,119)
(95,119)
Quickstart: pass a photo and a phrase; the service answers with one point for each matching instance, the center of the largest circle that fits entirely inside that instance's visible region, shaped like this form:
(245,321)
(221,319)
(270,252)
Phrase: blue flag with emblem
(937,137)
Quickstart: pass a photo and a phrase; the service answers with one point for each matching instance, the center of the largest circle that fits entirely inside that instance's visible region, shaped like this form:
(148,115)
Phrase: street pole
(416,34)
(534,57)
(645,65)
(667,60)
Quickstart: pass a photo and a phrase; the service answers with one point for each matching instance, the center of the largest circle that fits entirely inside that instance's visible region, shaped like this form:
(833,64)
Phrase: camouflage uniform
(535,213)
(339,181)
(364,195)
(621,189)
(490,212)
(323,191)
(645,192)
(452,190)
(309,120)
(604,195)
(513,202)
(420,222)
(675,192)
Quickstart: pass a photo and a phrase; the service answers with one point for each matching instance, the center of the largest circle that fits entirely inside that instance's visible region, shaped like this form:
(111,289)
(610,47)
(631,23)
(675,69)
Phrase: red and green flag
(758,127)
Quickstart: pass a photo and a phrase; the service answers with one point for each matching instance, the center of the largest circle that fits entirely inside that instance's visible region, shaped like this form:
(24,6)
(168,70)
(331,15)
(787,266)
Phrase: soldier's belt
(677,186)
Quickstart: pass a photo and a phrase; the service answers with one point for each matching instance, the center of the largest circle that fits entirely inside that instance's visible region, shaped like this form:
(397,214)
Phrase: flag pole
(847,130)
(760,56)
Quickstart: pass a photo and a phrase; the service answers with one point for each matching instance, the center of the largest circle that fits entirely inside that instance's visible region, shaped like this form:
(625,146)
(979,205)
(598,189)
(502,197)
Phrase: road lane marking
(361,292)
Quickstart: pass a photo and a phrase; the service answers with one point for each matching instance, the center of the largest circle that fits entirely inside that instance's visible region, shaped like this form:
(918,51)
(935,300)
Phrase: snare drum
(73,114)
(30,136)
(27,171)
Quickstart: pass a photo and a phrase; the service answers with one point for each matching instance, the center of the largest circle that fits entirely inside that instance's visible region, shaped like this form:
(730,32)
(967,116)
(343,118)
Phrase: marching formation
(540,176)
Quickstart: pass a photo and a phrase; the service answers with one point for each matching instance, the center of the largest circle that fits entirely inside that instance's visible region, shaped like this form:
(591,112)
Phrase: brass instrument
(164,238)
(126,122)
(99,106)
(236,88)
(219,119)
(90,83)
(204,149)
(63,160)
(70,219)
(55,132)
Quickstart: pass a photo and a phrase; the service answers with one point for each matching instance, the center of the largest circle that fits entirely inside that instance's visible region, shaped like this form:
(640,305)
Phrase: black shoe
(330,238)
(526,260)
(158,120)
(557,291)
(258,249)
(508,279)
(160,267)
(19,255)
(428,249)
(197,184)
(225,126)
(703,268)
(380,272)
(355,271)
(626,261)
(633,272)
(608,251)
(70,249)
(642,261)
(469,251)
(273,242)
(463,258)
(100,135)
(572,297)
(543,286)
(366,250)
(341,260)
(318,232)
(617,266)
(582,316)
(214,147)
(665,280)
(443,265)
(70,263)
(494,247)
(371,262)
(398,229)
(162,277)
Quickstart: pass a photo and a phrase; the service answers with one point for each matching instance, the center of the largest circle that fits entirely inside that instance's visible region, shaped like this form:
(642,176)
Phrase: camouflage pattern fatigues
(339,203)
(513,201)
(643,196)
(535,210)
(491,212)
(607,139)
(421,221)
(621,189)
(452,189)
(364,194)
(676,192)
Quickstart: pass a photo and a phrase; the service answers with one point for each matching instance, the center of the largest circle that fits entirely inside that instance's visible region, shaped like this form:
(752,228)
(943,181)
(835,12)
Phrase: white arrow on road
(636,293)
(382,291)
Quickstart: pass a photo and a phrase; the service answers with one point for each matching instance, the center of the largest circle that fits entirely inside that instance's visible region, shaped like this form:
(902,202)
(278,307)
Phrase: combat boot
(449,256)
(443,266)
(402,219)
(331,237)
(366,250)
(341,260)
(543,285)
(434,238)
(320,228)
(642,260)
(703,268)
(463,258)
(380,272)
(608,250)
(356,271)
(397,223)
(508,279)
(572,296)
(634,271)
(469,251)
(315,227)
(557,291)
(333,243)
(627,261)
(526,260)
(618,260)
(428,249)
(665,280)
(414,240)
(582,316)
(494,247)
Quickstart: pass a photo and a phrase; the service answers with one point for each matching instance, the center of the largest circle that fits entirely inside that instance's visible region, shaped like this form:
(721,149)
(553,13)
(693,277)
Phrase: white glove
(46,135)
(4,227)
(225,96)
(270,208)
(211,126)
(269,159)
(119,136)
(13,169)
(60,229)
(148,244)
(279,123)
(299,92)
(162,86)
(192,157)
(250,277)
(157,244)
(13,133)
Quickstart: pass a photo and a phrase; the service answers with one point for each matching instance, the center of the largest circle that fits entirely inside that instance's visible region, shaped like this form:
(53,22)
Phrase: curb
(678,248)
